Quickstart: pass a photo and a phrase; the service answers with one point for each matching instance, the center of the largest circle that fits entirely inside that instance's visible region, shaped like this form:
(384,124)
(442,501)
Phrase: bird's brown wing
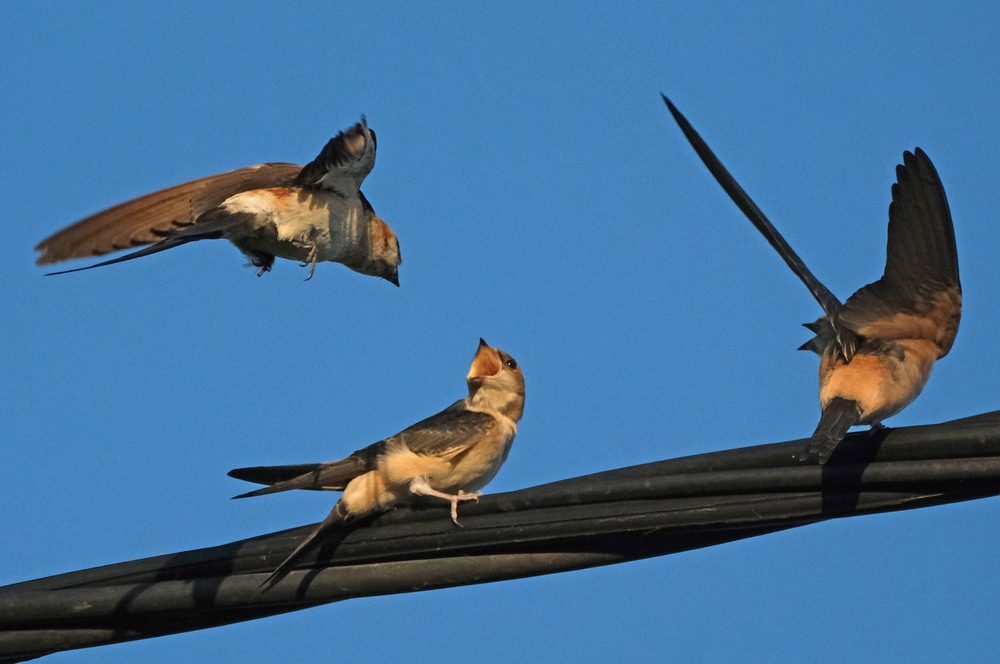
(920,295)
(153,217)
(344,163)
(447,434)
(331,476)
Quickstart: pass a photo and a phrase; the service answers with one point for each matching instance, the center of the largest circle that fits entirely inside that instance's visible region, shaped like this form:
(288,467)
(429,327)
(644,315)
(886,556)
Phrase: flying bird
(310,214)
(449,456)
(877,348)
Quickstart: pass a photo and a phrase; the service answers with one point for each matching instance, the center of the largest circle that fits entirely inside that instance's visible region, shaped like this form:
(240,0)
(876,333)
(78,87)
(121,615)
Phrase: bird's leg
(305,241)
(311,260)
(420,487)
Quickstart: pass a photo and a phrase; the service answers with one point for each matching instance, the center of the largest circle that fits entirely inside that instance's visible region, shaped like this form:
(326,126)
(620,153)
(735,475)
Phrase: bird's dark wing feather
(920,294)
(213,225)
(446,434)
(273,474)
(344,162)
(827,300)
(330,476)
(155,216)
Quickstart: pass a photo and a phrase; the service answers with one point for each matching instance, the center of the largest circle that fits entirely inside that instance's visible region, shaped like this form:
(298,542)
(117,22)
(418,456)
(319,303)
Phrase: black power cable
(611,517)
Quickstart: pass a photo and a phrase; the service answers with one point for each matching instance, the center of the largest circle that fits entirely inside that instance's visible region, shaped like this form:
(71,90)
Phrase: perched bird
(450,455)
(877,348)
(309,214)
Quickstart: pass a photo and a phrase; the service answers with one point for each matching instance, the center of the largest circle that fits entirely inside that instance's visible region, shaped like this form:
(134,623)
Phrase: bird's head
(384,257)
(495,381)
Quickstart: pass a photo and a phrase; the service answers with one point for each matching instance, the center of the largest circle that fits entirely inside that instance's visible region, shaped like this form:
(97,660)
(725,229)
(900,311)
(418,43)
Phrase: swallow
(310,214)
(877,348)
(450,456)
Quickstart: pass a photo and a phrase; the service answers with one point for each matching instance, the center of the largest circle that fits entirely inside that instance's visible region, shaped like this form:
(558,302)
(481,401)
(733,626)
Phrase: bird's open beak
(485,363)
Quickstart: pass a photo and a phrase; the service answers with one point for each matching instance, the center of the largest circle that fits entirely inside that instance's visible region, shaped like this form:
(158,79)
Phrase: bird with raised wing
(311,214)
(449,456)
(877,348)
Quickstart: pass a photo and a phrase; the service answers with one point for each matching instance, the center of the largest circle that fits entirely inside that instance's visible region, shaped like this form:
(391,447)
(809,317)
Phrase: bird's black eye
(510,363)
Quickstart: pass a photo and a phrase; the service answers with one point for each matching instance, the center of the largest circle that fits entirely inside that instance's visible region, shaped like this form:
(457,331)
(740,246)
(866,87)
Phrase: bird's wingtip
(670,105)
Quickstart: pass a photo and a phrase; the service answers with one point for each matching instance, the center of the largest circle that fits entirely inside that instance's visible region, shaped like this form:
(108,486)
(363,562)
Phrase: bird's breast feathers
(475,468)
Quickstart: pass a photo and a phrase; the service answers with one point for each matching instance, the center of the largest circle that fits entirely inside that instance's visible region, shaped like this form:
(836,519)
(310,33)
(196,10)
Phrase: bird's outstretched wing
(213,225)
(919,295)
(159,215)
(344,163)
(827,300)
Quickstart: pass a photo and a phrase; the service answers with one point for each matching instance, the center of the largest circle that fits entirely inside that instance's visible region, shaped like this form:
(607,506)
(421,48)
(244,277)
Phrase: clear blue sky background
(544,200)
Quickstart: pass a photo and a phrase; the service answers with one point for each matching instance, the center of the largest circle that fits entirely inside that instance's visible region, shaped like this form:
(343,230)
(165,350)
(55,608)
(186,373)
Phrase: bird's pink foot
(461,497)
(420,487)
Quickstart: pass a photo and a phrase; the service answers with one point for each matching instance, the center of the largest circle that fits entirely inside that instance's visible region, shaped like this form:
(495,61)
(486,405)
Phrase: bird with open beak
(310,214)
(877,348)
(449,456)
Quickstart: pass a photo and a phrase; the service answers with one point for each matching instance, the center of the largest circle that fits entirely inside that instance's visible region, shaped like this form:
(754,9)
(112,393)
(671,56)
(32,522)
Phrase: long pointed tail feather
(212,225)
(334,520)
(162,245)
(274,488)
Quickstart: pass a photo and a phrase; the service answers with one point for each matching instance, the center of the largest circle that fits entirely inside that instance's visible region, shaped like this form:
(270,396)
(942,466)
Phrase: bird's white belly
(291,223)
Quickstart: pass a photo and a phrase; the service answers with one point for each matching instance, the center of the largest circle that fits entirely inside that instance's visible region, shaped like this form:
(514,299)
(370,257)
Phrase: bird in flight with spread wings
(310,214)
(450,455)
(877,348)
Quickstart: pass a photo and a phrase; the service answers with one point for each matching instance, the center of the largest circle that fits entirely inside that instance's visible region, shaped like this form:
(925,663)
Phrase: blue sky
(544,200)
